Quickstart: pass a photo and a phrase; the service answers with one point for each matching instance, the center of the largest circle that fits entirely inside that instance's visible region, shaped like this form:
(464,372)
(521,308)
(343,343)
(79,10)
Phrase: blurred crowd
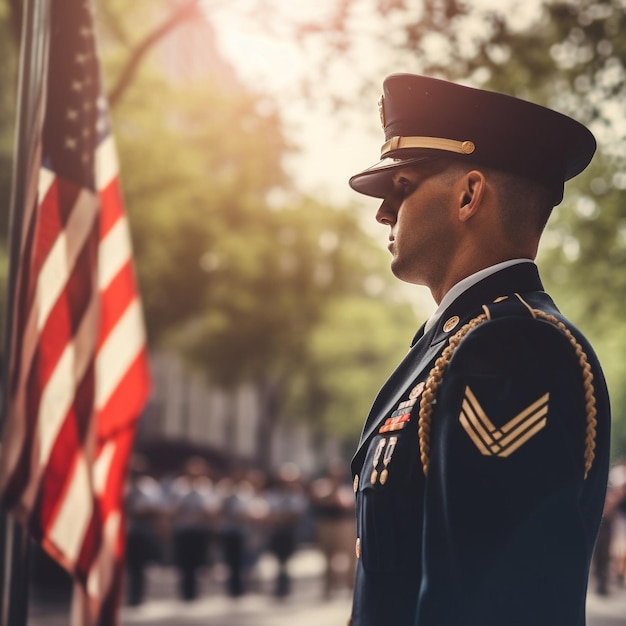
(200,519)
(609,559)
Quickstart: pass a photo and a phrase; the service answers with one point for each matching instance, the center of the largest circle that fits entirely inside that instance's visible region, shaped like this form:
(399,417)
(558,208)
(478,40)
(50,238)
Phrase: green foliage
(279,274)
(238,271)
(358,345)
(194,176)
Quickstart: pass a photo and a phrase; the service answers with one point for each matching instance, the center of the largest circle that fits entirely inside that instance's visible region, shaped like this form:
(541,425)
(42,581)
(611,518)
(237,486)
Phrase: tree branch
(184,12)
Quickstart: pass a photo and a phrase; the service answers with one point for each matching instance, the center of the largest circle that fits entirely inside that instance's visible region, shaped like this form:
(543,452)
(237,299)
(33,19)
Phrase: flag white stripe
(55,402)
(86,335)
(107,166)
(46,178)
(102,569)
(52,280)
(101,467)
(58,395)
(114,253)
(70,525)
(62,257)
(116,355)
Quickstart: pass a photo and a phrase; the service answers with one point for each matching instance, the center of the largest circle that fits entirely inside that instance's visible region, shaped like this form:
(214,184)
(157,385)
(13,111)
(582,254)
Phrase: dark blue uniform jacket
(500,530)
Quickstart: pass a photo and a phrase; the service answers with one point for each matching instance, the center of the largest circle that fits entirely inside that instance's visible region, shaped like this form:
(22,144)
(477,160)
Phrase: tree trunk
(269,408)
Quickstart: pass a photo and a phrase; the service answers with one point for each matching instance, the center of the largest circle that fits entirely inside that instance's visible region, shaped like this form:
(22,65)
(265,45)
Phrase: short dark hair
(525,205)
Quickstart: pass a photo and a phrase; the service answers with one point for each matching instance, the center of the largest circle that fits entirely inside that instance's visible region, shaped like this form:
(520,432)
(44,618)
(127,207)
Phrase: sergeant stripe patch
(502,442)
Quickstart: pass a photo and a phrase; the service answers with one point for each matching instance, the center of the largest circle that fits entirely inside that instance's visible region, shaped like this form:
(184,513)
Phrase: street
(304,607)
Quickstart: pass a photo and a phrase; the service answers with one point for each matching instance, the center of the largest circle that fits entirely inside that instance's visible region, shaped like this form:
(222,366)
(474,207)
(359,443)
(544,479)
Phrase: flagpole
(29,118)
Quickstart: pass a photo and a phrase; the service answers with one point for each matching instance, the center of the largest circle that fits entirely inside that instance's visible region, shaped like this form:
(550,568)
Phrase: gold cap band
(434,143)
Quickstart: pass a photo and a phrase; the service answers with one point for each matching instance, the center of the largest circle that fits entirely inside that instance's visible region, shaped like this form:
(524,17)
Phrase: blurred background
(272,315)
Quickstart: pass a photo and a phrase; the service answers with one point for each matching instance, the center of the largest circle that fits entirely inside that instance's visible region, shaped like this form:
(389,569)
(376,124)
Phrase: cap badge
(381,110)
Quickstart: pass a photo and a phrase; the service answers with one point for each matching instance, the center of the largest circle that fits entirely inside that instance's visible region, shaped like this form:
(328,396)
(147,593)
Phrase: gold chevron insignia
(502,442)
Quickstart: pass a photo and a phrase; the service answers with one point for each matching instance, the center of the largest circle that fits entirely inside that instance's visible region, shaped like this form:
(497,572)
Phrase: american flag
(78,374)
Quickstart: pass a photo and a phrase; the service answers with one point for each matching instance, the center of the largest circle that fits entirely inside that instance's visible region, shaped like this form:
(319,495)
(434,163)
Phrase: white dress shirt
(465,284)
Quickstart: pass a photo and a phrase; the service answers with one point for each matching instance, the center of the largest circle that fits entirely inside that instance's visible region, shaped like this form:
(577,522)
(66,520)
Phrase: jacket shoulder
(513,353)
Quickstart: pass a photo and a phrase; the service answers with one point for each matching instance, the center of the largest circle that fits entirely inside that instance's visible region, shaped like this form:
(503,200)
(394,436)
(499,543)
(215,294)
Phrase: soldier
(333,508)
(481,471)
(195,511)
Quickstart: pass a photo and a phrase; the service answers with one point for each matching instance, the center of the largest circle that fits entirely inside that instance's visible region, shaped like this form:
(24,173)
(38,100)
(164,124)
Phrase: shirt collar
(465,284)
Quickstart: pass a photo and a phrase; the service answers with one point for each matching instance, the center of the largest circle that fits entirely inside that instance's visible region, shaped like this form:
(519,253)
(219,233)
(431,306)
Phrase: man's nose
(387,212)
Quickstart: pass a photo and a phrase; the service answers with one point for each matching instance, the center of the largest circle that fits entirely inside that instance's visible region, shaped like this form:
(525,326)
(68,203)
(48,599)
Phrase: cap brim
(376,181)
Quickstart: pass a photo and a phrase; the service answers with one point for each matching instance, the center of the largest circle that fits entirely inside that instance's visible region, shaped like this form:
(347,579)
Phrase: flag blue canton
(75,116)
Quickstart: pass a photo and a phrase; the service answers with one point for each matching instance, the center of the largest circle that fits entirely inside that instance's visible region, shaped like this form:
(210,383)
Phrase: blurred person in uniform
(481,472)
(602,553)
(617,489)
(144,507)
(253,490)
(195,511)
(332,501)
(288,504)
(243,526)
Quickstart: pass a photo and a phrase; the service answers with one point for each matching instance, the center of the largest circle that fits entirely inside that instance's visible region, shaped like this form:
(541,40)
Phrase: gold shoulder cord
(436,375)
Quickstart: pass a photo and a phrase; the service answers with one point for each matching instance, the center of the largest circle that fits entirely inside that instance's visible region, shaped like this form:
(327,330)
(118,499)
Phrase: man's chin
(401,273)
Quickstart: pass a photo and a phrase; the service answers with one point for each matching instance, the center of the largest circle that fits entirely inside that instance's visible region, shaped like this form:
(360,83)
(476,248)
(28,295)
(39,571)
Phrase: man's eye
(405,187)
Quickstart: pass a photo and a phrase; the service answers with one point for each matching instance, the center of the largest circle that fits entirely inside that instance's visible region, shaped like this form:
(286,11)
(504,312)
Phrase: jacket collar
(515,279)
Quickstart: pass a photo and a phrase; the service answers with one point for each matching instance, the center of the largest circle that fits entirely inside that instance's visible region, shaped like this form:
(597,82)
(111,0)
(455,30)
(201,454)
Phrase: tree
(360,341)
(238,270)
(193,175)
(303,269)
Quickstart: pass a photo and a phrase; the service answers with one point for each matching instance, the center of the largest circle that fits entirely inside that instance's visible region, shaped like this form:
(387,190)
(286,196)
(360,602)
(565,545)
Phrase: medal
(416,392)
(377,453)
(387,459)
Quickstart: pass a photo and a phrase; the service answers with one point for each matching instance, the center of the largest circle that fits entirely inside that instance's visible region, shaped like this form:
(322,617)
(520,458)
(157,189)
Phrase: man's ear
(471,194)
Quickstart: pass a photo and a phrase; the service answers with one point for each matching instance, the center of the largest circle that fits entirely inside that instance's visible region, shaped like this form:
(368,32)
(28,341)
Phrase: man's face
(420,210)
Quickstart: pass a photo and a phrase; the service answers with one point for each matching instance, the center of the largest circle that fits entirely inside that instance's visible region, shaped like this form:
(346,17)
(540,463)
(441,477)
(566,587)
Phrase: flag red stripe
(112,206)
(55,211)
(115,300)
(126,402)
(58,330)
(90,545)
(68,312)
(70,440)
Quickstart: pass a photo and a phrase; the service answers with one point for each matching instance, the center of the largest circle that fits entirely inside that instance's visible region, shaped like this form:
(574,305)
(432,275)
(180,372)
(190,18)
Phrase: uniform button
(357,548)
(355,484)
(451,323)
